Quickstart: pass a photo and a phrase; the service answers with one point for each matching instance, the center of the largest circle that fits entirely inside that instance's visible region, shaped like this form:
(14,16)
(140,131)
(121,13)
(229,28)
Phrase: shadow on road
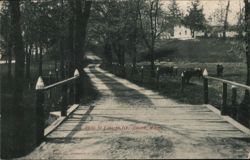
(123,93)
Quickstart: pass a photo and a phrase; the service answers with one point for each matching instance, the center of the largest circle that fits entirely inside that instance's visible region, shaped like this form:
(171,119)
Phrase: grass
(193,93)
(199,50)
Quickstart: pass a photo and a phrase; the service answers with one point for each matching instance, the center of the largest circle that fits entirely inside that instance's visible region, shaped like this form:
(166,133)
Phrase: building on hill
(184,33)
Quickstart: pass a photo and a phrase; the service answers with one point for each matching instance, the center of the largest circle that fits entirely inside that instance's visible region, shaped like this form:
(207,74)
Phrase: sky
(210,6)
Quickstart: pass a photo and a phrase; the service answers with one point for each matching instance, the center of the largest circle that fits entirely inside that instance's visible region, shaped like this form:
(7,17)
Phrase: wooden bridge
(129,121)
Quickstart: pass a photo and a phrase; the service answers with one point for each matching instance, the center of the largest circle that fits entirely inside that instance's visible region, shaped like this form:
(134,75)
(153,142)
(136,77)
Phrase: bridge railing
(53,97)
(225,84)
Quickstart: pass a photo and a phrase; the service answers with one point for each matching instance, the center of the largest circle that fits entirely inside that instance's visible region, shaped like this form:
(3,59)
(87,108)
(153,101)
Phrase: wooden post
(76,88)
(64,100)
(182,82)
(115,69)
(224,100)
(205,86)
(112,68)
(142,68)
(50,77)
(234,102)
(57,78)
(40,119)
(157,78)
(50,82)
(65,71)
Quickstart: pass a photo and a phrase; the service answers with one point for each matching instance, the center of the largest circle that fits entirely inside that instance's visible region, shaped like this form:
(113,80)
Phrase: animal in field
(220,70)
(166,70)
(192,72)
(175,72)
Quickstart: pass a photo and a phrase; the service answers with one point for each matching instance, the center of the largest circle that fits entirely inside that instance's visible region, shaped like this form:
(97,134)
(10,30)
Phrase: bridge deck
(131,122)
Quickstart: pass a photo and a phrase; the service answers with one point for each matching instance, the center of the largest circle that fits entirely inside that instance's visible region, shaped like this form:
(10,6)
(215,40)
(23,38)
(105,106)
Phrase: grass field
(193,93)
(198,50)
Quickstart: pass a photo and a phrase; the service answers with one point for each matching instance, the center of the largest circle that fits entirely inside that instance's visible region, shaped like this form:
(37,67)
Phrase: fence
(53,97)
(225,110)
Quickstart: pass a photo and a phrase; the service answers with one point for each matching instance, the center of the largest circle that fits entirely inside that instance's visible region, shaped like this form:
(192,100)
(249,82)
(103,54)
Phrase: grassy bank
(193,93)
(198,50)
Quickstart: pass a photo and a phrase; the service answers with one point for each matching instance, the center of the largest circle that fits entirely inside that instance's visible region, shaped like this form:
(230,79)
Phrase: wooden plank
(230,120)
(60,120)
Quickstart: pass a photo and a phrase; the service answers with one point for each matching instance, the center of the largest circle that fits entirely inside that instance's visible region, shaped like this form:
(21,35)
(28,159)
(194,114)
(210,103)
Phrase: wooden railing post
(40,119)
(50,82)
(119,69)
(76,88)
(142,68)
(64,100)
(113,68)
(234,102)
(50,77)
(224,100)
(57,72)
(205,86)
(182,82)
(157,78)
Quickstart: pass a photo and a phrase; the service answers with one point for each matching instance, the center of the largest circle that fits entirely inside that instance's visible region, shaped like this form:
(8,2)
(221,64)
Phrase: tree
(244,111)
(175,14)
(116,29)
(225,25)
(195,19)
(133,36)
(241,21)
(5,41)
(153,23)
(81,12)
(221,16)
(18,50)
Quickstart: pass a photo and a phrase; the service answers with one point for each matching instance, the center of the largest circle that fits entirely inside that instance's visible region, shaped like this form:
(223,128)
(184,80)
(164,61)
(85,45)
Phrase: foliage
(5,26)
(195,19)
(175,15)
(241,21)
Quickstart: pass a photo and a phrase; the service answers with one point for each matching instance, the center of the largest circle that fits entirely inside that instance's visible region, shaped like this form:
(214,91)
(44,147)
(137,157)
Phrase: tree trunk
(192,33)
(134,50)
(108,53)
(244,111)
(123,60)
(225,21)
(62,61)
(28,55)
(14,135)
(134,59)
(81,22)
(18,50)
(9,58)
(152,62)
(247,94)
(72,65)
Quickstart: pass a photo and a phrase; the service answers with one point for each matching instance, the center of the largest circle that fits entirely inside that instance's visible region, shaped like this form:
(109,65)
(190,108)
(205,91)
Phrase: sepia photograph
(124,79)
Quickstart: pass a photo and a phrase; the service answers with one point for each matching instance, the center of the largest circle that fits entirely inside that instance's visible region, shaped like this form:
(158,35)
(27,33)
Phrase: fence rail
(229,82)
(60,91)
(234,85)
